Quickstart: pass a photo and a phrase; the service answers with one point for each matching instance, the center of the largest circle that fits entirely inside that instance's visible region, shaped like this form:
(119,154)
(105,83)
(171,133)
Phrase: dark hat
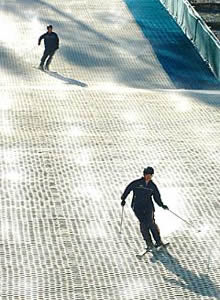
(49,26)
(148,170)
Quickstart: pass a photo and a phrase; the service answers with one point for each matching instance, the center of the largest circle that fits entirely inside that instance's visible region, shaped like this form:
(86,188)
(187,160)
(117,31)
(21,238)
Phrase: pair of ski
(45,70)
(153,250)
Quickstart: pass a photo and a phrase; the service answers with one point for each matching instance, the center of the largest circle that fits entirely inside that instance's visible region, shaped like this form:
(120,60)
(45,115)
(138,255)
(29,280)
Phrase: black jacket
(142,195)
(51,41)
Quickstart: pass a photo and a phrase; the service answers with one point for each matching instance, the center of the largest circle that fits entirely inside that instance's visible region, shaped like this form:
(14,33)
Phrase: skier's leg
(155,230)
(156,233)
(43,58)
(51,54)
(144,228)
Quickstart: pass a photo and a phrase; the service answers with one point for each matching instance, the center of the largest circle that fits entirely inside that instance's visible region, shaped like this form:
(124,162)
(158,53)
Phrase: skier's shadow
(199,284)
(67,80)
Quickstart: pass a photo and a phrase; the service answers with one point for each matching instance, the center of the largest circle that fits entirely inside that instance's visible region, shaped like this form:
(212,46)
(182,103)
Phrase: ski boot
(41,68)
(150,247)
(160,245)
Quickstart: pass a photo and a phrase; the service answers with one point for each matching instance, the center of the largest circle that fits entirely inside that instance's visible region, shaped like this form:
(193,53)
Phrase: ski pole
(122,215)
(183,220)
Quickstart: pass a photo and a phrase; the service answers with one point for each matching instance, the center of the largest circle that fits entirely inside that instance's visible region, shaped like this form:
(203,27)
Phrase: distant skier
(51,42)
(143,191)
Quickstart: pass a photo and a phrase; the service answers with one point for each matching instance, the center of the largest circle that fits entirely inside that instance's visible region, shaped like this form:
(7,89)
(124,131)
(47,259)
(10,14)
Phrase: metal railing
(197,31)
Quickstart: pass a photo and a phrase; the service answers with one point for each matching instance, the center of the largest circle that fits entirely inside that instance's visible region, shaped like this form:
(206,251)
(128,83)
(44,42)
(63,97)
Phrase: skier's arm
(157,198)
(128,189)
(58,42)
(40,38)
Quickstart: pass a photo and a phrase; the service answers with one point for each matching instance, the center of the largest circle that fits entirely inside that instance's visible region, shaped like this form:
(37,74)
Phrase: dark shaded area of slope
(176,53)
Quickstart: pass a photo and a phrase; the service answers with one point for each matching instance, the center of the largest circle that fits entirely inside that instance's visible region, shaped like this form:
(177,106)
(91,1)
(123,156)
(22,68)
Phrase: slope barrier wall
(197,31)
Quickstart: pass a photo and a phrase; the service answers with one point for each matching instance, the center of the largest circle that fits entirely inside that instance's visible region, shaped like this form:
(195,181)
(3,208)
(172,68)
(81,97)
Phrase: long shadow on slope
(82,26)
(173,49)
(22,8)
(199,284)
(84,58)
(66,80)
(13,63)
(209,98)
(7,60)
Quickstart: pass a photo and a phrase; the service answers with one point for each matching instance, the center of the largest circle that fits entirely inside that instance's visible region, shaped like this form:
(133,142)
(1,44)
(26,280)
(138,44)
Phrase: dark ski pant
(148,227)
(47,54)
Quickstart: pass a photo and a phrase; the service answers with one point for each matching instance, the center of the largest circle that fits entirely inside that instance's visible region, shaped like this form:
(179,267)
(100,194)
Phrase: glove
(164,206)
(123,203)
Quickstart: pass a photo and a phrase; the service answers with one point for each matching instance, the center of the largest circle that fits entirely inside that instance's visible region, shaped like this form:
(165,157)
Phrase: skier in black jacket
(51,42)
(143,191)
